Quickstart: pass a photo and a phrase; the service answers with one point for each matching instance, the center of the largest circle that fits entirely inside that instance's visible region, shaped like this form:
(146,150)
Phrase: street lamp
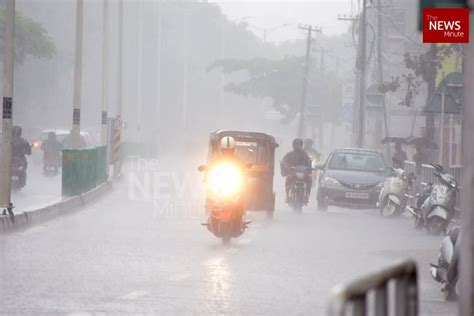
(266,30)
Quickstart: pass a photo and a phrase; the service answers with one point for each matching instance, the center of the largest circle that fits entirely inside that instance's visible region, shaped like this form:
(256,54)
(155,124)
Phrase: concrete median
(66,206)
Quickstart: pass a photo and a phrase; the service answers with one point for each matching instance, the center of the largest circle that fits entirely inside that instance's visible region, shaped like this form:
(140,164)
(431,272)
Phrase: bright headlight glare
(225,179)
(331,181)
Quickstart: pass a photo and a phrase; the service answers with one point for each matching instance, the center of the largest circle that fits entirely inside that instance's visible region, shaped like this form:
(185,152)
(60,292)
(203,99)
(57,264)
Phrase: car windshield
(357,162)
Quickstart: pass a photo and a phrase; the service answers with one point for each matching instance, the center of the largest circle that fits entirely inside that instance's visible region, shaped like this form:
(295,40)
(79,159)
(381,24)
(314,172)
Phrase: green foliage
(31,39)
(281,80)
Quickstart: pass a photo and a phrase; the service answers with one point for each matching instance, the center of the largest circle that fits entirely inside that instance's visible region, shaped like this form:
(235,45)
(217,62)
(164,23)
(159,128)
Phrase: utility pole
(105,73)
(301,124)
(184,112)
(76,116)
(380,77)
(355,106)
(8,71)
(322,51)
(158,76)
(118,127)
(362,71)
(139,70)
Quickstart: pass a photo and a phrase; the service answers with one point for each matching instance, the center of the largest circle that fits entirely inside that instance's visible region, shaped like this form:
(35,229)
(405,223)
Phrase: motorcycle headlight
(225,179)
(331,181)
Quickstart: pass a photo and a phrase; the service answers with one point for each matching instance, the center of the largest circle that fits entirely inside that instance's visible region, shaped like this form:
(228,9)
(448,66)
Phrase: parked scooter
(394,194)
(298,187)
(436,209)
(446,271)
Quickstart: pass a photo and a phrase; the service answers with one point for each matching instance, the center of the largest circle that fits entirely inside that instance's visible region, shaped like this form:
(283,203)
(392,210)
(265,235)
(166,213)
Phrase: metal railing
(389,291)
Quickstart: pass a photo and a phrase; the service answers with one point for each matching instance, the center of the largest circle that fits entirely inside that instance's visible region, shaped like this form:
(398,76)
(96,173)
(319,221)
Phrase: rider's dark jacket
(293,159)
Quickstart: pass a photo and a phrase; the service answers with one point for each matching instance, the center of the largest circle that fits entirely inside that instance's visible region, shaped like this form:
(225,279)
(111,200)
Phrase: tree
(281,80)
(31,39)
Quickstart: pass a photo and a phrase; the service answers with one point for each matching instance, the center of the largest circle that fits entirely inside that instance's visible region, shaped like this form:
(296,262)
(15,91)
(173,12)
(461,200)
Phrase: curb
(49,212)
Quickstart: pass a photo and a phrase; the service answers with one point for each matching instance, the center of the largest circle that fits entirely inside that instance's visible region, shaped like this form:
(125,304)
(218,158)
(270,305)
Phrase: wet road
(39,190)
(122,256)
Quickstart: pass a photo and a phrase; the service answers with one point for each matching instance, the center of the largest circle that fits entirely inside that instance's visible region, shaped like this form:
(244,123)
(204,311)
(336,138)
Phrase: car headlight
(331,181)
(225,179)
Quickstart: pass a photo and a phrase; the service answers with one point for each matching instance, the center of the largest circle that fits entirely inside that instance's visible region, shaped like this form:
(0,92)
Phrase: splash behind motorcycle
(446,271)
(436,209)
(225,200)
(394,194)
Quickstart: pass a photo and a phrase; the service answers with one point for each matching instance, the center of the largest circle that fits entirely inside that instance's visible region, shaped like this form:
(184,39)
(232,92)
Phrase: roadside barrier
(389,291)
(83,169)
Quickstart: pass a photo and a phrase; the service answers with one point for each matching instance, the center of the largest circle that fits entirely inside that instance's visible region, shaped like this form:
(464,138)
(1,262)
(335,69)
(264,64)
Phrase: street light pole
(118,127)
(362,76)
(8,71)
(301,123)
(105,73)
(76,117)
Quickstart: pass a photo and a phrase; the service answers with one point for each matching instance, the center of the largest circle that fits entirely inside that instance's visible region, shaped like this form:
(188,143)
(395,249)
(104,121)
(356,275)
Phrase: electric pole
(105,73)
(322,52)
(301,124)
(118,127)
(380,77)
(362,71)
(76,115)
(8,70)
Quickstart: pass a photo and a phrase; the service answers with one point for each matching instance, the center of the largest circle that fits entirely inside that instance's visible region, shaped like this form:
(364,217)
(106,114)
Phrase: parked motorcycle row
(433,211)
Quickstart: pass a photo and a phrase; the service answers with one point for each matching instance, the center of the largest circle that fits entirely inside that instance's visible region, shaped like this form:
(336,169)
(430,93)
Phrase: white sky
(270,13)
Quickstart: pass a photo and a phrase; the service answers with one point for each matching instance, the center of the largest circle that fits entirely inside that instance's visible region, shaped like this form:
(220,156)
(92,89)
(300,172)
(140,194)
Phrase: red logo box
(445,25)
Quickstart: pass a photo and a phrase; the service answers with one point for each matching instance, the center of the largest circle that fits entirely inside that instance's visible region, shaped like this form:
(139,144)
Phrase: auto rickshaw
(258,150)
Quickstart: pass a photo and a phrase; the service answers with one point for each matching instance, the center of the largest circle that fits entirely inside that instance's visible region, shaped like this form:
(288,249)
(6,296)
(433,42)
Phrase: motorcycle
(435,207)
(225,200)
(18,175)
(446,271)
(51,167)
(298,177)
(394,194)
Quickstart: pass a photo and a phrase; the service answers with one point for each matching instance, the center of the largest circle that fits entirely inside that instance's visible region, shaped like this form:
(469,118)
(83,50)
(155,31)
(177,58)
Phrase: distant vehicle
(351,177)
(60,136)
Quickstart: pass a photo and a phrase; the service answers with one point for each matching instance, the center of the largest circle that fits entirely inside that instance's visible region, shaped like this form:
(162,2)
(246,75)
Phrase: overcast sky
(270,13)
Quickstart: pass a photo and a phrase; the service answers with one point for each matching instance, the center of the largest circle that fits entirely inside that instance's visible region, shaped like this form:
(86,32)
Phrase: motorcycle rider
(20,148)
(227,155)
(296,157)
(51,148)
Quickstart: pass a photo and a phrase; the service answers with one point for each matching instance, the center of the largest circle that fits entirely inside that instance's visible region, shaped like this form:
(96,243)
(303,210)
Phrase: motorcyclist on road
(20,146)
(51,148)
(296,157)
(227,155)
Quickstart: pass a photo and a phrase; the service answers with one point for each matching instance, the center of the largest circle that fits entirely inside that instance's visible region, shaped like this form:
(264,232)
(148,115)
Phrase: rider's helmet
(308,143)
(16,131)
(297,144)
(227,145)
(52,136)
